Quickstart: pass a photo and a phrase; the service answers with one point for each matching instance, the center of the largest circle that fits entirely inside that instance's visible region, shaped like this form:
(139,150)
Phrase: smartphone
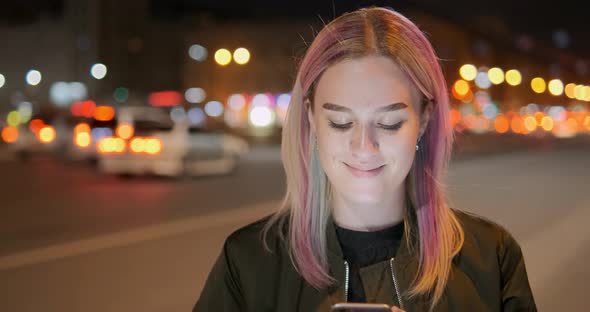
(360,307)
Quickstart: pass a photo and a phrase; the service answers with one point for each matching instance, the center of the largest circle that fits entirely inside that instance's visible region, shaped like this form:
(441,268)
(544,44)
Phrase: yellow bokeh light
(468,72)
(461,87)
(513,77)
(530,123)
(241,56)
(47,134)
(13,118)
(496,75)
(137,145)
(119,145)
(83,139)
(569,90)
(578,92)
(586,94)
(555,87)
(547,123)
(538,85)
(222,57)
(153,146)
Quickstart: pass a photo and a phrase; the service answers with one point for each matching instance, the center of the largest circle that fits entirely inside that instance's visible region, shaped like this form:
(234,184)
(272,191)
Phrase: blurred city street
(136,135)
(147,244)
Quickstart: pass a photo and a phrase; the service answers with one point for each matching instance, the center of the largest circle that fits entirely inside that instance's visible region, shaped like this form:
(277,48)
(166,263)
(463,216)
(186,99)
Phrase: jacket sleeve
(516,291)
(222,290)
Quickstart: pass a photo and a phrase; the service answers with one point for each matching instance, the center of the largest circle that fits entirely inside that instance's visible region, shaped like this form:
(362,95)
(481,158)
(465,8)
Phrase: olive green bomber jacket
(487,275)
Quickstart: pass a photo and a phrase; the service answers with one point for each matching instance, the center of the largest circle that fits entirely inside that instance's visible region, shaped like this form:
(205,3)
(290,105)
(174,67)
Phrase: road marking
(84,246)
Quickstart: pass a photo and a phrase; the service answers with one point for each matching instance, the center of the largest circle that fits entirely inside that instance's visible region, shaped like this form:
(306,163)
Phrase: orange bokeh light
(124,131)
(501,124)
(10,134)
(104,113)
(35,125)
(455,117)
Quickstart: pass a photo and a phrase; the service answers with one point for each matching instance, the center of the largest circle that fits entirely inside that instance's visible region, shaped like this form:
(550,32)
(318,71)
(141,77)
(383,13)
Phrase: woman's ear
(425,117)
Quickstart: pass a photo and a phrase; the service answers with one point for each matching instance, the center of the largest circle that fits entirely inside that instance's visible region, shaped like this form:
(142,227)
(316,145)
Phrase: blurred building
(146,53)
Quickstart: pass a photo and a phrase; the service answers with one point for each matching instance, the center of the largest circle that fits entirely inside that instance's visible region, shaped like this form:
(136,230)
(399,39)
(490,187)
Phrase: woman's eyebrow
(386,108)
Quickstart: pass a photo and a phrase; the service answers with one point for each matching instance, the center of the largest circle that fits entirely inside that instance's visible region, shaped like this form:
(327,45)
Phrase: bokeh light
(214,109)
(153,146)
(83,139)
(530,123)
(555,87)
(10,134)
(197,52)
(196,116)
(460,89)
(178,114)
(98,71)
(236,102)
(569,90)
(222,57)
(124,131)
(104,113)
(513,77)
(501,124)
(47,134)
(496,75)
(121,94)
(261,116)
(2,80)
(33,77)
(13,118)
(468,72)
(242,56)
(538,85)
(482,80)
(195,95)
(547,123)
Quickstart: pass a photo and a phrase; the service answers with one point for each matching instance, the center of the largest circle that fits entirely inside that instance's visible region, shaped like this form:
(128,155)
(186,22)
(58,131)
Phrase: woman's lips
(364,173)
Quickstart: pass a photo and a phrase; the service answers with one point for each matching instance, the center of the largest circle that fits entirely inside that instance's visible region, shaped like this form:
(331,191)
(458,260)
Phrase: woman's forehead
(365,83)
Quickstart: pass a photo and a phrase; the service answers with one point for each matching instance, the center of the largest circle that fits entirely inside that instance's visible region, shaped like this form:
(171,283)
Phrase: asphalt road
(75,240)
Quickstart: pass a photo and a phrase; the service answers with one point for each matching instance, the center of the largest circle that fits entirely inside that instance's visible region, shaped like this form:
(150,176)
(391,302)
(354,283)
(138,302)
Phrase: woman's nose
(364,143)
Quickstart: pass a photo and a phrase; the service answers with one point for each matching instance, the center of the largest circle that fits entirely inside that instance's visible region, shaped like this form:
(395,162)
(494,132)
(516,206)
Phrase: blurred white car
(84,135)
(37,138)
(153,144)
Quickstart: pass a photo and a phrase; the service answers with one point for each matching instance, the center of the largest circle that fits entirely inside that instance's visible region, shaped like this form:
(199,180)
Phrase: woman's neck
(368,217)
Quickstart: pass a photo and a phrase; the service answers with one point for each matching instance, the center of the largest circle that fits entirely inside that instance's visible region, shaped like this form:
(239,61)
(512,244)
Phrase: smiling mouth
(364,173)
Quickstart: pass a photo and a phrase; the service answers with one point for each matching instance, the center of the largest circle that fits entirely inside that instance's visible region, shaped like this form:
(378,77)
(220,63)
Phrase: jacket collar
(405,264)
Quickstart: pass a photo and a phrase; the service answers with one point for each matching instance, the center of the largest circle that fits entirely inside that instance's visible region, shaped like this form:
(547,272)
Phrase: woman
(365,143)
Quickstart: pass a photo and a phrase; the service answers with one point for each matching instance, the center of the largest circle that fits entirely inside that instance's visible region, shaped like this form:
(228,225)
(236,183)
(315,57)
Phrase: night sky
(539,19)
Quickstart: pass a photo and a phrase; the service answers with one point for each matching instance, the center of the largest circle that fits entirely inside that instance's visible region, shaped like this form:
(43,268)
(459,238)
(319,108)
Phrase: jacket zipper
(395,285)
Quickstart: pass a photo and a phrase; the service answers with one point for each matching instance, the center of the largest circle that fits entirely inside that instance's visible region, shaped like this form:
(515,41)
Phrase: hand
(396,309)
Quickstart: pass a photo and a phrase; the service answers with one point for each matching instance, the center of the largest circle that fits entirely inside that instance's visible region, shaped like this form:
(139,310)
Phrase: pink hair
(371,31)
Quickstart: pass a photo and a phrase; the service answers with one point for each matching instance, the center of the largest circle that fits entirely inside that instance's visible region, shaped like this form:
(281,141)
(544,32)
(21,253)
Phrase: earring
(417,147)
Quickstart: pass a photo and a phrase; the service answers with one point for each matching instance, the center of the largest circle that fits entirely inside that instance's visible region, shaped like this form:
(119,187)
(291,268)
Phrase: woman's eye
(340,125)
(393,127)
(348,125)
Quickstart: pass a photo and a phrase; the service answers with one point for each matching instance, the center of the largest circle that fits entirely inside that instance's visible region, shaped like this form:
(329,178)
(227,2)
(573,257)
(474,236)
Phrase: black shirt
(362,249)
